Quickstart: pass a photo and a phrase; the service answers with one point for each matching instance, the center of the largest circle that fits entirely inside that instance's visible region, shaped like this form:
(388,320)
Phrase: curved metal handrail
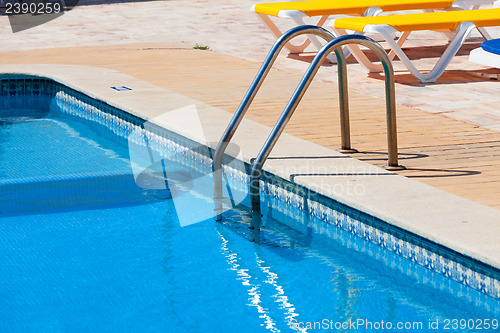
(249,96)
(299,92)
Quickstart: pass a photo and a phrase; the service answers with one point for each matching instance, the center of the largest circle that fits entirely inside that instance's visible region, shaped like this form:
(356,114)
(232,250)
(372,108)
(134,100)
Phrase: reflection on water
(116,254)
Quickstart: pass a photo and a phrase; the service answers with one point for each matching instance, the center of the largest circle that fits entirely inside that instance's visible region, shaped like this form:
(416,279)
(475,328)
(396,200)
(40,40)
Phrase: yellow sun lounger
(462,22)
(299,10)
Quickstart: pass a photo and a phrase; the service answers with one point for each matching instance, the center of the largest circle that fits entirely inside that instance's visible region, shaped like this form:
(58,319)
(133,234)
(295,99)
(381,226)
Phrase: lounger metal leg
(401,40)
(372,11)
(484,33)
(359,55)
(298,17)
(462,31)
(277,34)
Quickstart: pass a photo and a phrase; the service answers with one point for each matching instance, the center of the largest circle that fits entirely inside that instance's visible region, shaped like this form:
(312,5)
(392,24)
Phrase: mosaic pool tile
(300,202)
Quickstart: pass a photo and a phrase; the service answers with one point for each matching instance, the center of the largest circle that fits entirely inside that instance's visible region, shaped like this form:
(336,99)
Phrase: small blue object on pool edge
(122,88)
(492,46)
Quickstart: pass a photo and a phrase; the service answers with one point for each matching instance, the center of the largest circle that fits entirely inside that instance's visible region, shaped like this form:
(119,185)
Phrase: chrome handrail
(248,99)
(278,128)
(333,45)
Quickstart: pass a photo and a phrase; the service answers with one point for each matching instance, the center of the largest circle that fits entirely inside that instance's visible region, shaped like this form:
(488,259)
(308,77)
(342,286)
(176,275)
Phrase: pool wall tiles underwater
(418,250)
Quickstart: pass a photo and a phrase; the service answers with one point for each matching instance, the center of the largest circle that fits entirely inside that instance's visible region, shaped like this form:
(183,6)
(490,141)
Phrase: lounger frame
(298,17)
(462,33)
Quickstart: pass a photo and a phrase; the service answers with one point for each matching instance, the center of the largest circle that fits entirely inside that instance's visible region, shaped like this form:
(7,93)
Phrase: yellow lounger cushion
(332,7)
(425,21)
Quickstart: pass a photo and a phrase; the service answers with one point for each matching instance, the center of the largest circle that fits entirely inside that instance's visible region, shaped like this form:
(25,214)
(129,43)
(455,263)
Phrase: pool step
(73,192)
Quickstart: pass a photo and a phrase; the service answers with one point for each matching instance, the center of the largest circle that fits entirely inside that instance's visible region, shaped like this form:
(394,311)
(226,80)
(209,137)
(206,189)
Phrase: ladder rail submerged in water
(334,45)
(248,99)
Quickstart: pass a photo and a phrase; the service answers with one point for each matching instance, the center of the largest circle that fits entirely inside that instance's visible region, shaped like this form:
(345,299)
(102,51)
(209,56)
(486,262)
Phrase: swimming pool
(85,247)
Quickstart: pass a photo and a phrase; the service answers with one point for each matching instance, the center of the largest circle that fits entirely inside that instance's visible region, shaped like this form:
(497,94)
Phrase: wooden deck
(451,155)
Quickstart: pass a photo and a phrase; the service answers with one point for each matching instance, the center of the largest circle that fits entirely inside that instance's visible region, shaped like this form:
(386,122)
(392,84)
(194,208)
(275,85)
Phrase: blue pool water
(83,248)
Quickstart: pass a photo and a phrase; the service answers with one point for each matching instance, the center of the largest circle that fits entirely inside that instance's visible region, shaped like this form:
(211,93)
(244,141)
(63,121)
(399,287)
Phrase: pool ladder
(333,44)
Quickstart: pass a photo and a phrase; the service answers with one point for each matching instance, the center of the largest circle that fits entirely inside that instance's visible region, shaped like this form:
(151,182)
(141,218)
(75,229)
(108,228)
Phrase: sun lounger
(462,22)
(299,10)
(488,54)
